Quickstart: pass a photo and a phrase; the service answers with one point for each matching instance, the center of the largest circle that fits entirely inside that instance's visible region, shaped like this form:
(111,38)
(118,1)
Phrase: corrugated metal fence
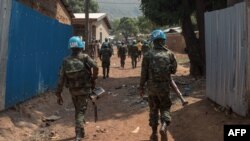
(5,10)
(36,47)
(226,55)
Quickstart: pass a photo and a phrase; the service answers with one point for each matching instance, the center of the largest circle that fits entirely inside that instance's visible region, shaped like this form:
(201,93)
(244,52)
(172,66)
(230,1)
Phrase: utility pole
(87,26)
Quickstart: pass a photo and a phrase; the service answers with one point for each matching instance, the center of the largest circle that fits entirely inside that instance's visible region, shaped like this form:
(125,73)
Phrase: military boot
(163,132)
(79,134)
(154,136)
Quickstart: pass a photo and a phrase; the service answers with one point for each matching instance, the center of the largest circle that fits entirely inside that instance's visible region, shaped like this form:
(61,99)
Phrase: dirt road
(123,116)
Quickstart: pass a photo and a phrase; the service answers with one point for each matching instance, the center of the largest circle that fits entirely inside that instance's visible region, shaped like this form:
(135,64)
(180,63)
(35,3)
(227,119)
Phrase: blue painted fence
(37,45)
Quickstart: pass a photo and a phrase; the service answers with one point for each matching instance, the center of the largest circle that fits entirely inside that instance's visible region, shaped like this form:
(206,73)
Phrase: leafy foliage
(162,12)
(145,25)
(169,12)
(77,6)
(125,27)
(190,15)
(128,27)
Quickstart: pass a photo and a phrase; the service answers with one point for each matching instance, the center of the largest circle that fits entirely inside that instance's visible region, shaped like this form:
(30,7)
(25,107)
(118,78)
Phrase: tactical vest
(105,45)
(160,66)
(77,73)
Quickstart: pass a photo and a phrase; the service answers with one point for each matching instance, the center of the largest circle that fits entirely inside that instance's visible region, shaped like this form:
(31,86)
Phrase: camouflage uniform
(75,74)
(157,66)
(133,53)
(122,54)
(145,48)
(105,55)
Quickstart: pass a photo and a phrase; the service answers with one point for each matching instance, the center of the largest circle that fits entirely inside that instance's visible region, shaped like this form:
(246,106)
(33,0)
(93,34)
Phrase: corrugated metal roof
(79,17)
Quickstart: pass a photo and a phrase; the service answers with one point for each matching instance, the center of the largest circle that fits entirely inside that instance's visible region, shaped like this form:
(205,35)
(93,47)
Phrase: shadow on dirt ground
(201,119)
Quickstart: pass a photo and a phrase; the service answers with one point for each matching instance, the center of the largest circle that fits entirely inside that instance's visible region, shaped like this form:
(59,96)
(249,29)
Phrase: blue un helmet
(76,42)
(158,34)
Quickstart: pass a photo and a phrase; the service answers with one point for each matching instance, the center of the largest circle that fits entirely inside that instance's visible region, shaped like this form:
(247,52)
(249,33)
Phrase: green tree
(128,27)
(77,6)
(115,24)
(145,25)
(170,12)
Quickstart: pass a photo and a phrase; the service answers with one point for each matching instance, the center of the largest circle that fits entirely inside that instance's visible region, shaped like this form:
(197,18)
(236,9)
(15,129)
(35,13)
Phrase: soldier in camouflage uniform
(122,51)
(157,66)
(133,53)
(119,45)
(77,76)
(105,55)
(145,47)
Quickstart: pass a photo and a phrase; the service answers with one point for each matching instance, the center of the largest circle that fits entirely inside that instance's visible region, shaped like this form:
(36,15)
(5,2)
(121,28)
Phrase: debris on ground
(53,135)
(69,109)
(101,130)
(136,130)
(51,118)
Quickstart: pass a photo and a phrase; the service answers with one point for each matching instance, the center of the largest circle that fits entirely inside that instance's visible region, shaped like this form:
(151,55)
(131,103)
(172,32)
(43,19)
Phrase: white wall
(102,27)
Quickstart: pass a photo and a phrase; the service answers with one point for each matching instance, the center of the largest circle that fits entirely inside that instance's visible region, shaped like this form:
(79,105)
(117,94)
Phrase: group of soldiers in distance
(79,72)
(134,50)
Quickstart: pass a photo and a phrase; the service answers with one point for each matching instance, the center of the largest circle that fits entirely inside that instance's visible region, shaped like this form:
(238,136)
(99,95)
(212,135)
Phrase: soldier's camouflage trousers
(134,61)
(80,103)
(162,104)
(122,61)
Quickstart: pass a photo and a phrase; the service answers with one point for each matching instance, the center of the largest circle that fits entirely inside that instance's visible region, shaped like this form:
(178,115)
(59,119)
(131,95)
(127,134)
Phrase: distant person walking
(145,47)
(139,46)
(133,53)
(122,51)
(105,55)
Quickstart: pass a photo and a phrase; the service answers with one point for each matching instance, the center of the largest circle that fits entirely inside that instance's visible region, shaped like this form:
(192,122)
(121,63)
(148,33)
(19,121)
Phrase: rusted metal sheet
(5,12)
(226,55)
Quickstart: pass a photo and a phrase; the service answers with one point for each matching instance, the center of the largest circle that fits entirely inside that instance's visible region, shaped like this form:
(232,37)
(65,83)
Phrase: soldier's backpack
(106,53)
(160,65)
(105,45)
(77,72)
